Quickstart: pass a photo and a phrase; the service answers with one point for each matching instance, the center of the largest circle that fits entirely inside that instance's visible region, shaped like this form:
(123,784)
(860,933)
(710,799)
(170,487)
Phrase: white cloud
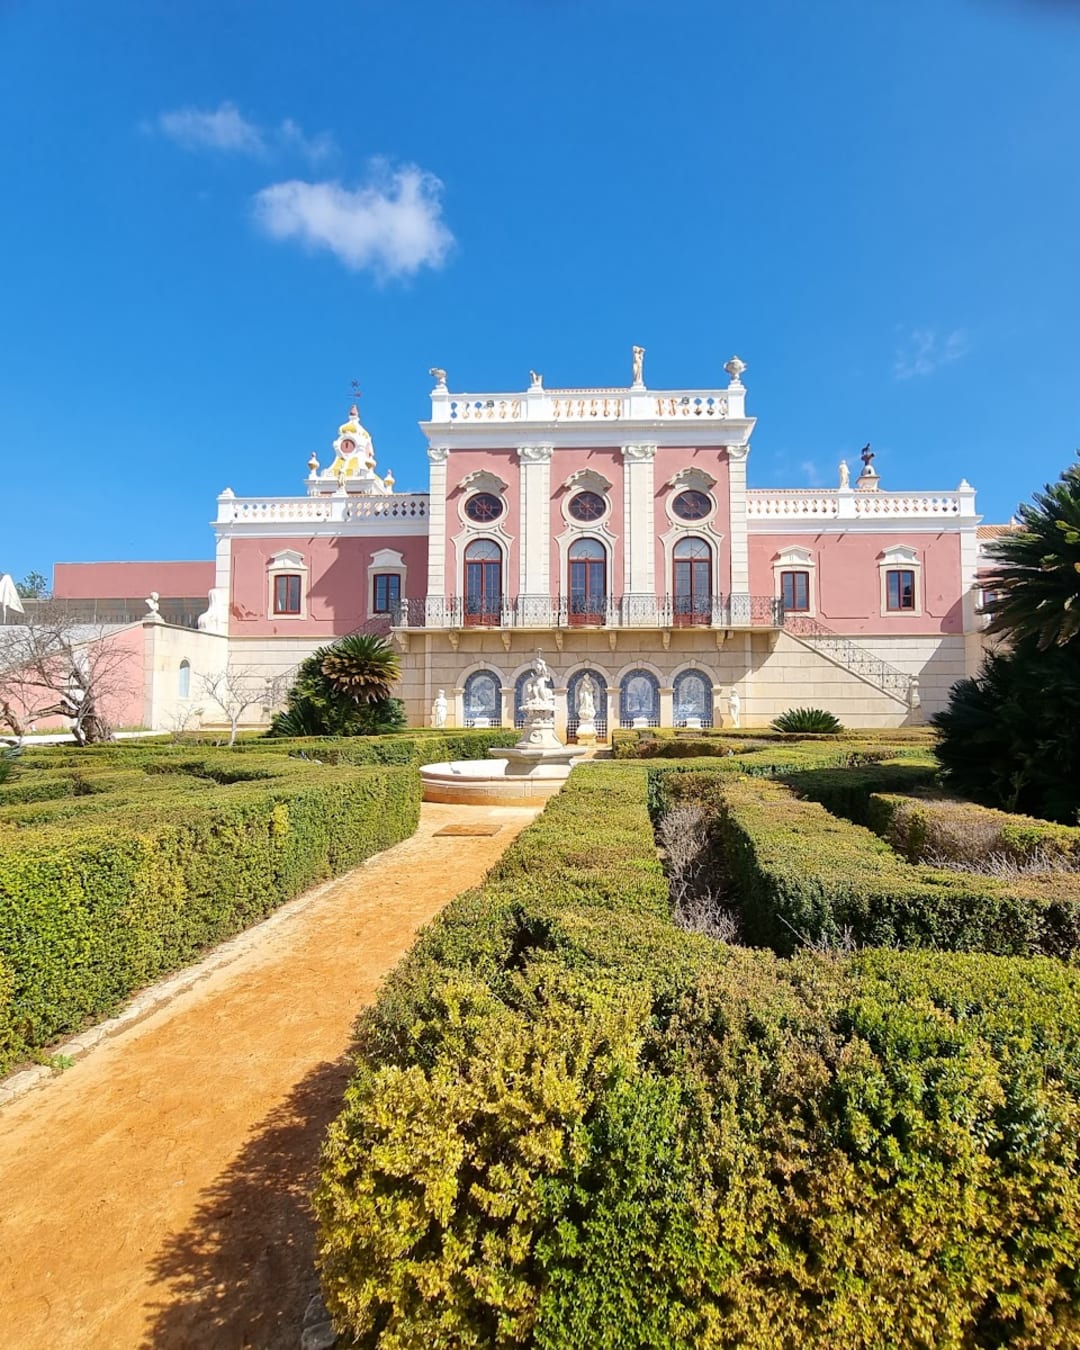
(315,148)
(391,225)
(226,128)
(922,351)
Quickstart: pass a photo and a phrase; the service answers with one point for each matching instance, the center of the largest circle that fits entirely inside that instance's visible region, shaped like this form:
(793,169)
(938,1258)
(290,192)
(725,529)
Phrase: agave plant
(807,721)
(362,666)
(1035,575)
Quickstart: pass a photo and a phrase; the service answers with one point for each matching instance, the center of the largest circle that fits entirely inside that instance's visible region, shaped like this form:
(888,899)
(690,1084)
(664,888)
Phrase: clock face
(347,447)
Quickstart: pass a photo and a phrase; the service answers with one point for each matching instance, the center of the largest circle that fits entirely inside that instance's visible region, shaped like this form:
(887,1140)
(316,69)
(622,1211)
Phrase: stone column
(534,547)
(436,586)
(639,569)
(667,706)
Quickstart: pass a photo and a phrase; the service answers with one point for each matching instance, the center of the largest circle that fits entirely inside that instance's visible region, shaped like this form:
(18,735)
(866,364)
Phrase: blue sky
(216,215)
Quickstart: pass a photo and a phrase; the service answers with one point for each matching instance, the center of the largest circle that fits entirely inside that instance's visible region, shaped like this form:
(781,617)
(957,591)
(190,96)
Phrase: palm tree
(1036,569)
(362,666)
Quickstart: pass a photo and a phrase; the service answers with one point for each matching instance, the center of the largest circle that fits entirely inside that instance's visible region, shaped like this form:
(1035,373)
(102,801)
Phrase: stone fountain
(535,768)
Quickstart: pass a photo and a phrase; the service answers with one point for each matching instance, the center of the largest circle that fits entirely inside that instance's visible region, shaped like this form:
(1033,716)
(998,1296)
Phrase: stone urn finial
(735,369)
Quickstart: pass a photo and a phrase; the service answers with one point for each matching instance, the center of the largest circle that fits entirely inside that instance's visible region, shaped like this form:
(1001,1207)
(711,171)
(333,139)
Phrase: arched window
(600,702)
(483,582)
(639,699)
(587,582)
(693,699)
(183,683)
(692,581)
(483,699)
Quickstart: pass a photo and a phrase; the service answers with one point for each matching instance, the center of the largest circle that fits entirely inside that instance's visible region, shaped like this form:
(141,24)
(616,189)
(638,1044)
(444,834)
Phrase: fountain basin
(531,775)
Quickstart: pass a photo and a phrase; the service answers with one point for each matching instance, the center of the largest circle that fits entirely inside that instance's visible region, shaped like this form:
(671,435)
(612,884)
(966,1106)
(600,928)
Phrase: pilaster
(534,557)
(639,566)
(740,555)
(437,459)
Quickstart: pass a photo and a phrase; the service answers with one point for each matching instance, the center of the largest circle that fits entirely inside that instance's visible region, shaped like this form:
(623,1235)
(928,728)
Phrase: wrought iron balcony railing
(591,611)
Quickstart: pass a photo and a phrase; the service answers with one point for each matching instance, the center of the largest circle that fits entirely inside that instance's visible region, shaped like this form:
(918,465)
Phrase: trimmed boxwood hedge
(573,1125)
(964,831)
(801,875)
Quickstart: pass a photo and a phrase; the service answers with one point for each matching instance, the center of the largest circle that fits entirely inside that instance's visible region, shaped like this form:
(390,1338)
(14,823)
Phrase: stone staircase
(850,656)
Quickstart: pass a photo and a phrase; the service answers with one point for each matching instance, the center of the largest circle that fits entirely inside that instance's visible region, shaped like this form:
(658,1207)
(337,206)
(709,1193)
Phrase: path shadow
(242,1273)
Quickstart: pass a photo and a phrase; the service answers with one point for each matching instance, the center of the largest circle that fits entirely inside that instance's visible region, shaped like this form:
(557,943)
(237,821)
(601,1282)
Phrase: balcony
(576,611)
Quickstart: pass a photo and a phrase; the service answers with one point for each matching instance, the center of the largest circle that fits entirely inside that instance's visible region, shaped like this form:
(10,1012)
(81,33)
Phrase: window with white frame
(900,579)
(794,580)
(287,575)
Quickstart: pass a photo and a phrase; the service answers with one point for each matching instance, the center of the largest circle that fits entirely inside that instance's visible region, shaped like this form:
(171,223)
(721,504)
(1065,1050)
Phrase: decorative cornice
(693,477)
(483,480)
(535,454)
(588,479)
(438,454)
(638,452)
(738,452)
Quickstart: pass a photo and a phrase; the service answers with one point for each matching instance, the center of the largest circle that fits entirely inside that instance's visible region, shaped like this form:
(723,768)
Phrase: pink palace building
(612,528)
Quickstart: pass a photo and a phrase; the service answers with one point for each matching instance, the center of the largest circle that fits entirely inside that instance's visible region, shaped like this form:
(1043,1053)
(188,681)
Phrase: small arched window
(483,582)
(587,582)
(692,581)
(183,683)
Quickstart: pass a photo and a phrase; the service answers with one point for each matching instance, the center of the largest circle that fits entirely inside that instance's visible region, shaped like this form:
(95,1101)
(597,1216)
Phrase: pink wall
(504,464)
(339,597)
(849,582)
(120,681)
(132,580)
(714,462)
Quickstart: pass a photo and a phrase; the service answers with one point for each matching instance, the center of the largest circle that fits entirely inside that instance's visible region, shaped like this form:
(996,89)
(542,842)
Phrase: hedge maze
(120,863)
(574,1124)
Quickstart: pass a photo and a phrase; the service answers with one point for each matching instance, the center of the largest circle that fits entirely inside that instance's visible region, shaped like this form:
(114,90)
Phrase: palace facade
(614,529)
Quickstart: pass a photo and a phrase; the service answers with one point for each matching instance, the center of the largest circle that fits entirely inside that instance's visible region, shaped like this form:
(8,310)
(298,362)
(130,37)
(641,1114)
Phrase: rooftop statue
(638,366)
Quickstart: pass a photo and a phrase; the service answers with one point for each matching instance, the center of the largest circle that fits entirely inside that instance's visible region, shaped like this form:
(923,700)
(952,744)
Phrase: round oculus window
(484,507)
(692,505)
(587,506)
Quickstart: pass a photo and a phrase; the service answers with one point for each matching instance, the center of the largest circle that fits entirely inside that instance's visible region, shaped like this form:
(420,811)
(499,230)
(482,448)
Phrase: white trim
(681,530)
(604,537)
(494,534)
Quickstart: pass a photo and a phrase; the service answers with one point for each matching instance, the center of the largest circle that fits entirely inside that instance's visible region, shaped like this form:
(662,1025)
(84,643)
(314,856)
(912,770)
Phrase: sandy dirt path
(156,1194)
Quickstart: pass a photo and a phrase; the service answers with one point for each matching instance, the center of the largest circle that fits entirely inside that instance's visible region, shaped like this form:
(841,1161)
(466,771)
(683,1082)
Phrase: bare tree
(236,689)
(696,891)
(53,666)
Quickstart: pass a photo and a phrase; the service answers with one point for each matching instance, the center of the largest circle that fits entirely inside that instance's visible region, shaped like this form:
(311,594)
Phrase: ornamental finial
(735,369)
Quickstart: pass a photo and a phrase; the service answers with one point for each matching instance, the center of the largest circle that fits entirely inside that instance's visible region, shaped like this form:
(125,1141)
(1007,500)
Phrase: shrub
(802,720)
(1010,738)
(572,1125)
(968,835)
(344,690)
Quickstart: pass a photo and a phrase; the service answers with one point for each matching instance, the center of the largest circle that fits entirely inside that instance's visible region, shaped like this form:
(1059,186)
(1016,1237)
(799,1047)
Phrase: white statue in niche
(586,700)
(735,708)
(439,709)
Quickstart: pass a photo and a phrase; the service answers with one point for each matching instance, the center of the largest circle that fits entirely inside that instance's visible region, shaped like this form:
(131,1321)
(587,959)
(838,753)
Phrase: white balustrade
(331,509)
(589,405)
(816,504)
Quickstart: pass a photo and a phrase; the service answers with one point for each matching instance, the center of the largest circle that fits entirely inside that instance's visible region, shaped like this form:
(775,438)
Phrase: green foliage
(34,586)
(344,690)
(965,833)
(1036,569)
(802,720)
(150,857)
(573,1125)
(9,757)
(1010,737)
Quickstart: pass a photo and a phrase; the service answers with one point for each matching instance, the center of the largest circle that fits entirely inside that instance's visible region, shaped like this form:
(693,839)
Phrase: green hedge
(801,875)
(573,1125)
(103,892)
(965,832)
(847,792)
(627,744)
